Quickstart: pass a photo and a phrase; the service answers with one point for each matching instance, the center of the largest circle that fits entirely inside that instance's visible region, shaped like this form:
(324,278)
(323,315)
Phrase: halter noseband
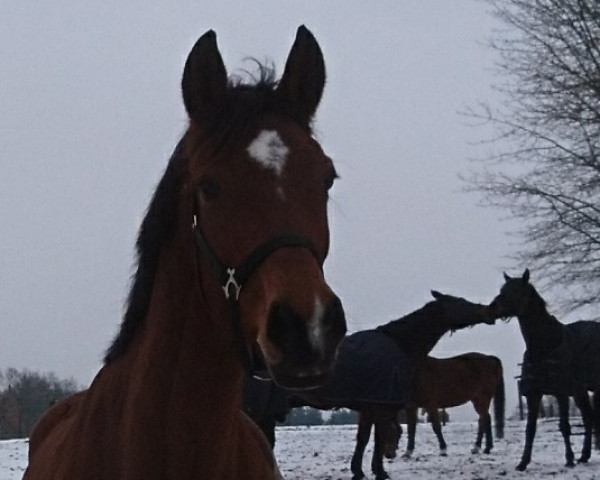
(232,279)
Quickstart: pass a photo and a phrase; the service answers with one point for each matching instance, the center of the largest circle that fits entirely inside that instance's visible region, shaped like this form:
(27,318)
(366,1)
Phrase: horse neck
(185,379)
(541,331)
(419,338)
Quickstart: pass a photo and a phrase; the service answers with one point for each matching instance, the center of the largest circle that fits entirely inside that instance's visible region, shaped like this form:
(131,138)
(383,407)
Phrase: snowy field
(323,453)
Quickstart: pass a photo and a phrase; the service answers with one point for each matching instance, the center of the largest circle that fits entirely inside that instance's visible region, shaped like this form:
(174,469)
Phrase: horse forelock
(248,98)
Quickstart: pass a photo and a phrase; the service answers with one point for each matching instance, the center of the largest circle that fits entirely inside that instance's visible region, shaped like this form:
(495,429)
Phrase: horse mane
(395,328)
(537,299)
(244,102)
(155,231)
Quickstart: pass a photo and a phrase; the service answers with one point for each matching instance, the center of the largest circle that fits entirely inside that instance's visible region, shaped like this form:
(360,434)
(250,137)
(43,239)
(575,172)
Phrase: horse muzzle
(496,310)
(306,348)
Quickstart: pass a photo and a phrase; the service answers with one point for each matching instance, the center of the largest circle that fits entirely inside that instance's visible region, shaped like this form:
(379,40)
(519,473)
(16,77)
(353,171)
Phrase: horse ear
(204,78)
(437,295)
(506,277)
(526,276)
(303,79)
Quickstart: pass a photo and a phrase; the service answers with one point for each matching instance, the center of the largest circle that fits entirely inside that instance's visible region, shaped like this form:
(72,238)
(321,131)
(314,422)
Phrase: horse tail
(499,403)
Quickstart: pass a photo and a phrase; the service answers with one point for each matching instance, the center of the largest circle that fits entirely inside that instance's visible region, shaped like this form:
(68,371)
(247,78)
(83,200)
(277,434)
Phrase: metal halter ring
(231,282)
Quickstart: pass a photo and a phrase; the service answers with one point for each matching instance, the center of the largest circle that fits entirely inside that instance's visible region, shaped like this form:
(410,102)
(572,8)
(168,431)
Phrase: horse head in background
(230,253)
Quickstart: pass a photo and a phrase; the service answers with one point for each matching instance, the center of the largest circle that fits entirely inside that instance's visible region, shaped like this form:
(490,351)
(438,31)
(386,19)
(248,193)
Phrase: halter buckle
(232,282)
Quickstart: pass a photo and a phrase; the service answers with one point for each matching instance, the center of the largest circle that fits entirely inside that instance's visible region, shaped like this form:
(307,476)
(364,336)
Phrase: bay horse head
(459,312)
(390,432)
(515,297)
(230,256)
(259,182)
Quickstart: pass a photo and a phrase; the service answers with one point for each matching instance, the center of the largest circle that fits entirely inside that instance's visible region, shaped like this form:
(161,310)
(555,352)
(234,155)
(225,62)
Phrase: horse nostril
(334,318)
(287,330)
(305,342)
(283,324)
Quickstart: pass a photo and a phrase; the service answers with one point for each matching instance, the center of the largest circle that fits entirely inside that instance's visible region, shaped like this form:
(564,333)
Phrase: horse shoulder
(259,462)
(55,420)
(49,437)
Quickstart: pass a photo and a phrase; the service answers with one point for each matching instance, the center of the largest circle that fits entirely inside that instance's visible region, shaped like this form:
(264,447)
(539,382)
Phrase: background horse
(230,253)
(560,360)
(450,382)
(407,340)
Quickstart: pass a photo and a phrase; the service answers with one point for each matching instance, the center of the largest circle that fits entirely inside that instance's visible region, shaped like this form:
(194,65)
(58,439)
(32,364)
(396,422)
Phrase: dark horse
(230,252)
(560,360)
(414,335)
(450,382)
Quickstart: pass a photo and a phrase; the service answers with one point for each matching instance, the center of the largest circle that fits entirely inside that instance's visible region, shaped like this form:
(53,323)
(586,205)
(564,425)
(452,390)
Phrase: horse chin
(300,381)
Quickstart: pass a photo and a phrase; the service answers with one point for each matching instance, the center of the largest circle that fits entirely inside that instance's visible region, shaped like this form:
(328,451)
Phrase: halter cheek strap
(232,279)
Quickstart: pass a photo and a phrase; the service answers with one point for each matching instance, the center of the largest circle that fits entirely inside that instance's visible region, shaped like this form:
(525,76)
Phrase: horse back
(585,336)
(449,382)
(488,368)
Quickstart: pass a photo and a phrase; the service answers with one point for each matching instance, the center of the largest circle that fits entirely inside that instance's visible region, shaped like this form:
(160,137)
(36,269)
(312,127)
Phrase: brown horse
(230,252)
(450,382)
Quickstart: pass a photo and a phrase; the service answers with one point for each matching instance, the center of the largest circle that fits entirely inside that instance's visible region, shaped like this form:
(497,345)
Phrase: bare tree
(546,169)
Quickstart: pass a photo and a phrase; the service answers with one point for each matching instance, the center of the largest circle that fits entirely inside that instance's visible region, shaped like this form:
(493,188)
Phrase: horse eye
(209,189)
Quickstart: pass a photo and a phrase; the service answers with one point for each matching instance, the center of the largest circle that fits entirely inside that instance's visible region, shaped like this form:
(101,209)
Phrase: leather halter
(232,280)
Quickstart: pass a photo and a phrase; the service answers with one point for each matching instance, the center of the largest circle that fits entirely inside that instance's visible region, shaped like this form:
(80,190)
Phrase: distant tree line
(548,408)
(312,416)
(25,395)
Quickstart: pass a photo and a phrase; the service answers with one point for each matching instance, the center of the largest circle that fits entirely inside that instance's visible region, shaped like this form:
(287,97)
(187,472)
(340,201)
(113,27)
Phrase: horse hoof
(358,476)
(382,476)
(570,464)
(487,451)
(521,467)
(475,450)
(443,453)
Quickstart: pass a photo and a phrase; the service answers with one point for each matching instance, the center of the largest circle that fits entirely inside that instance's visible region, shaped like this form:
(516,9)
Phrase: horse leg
(582,400)
(596,418)
(434,419)
(365,422)
(565,428)
(489,438)
(484,425)
(267,426)
(411,427)
(377,460)
(533,408)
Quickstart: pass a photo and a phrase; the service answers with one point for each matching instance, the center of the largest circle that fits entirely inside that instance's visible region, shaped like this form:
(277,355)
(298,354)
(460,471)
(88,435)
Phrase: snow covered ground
(323,453)
(13,459)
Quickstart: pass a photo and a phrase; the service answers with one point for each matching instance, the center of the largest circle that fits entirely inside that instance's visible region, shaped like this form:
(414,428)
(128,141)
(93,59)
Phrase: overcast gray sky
(91,110)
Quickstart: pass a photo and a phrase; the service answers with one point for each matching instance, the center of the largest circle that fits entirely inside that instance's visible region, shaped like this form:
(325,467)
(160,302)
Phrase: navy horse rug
(586,345)
(370,369)
(574,362)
